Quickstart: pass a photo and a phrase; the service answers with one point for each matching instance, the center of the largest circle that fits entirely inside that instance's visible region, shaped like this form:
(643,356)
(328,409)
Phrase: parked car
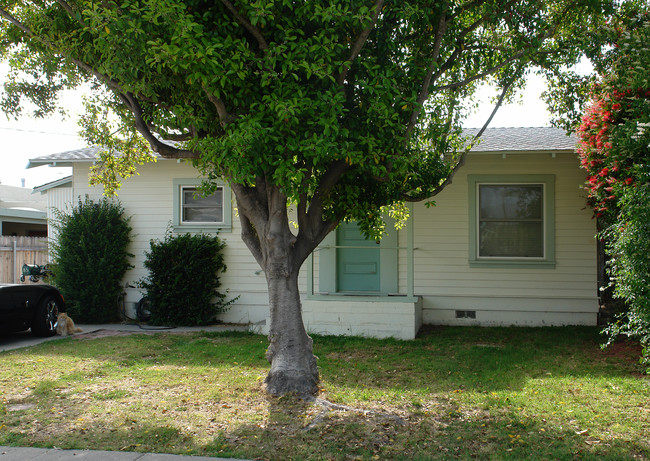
(30,306)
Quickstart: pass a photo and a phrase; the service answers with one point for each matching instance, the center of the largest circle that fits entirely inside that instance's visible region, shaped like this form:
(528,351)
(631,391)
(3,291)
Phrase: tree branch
(141,125)
(16,22)
(490,71)
(254,31)
(128,99)
(460,46)
(307,241)
(424,89)
(222,112)
(248,203)
(502,64)
(301,208)
(330,178)
(114,85)
(463,157)
(358,44)
(66,6)
(250,238)
(325,185)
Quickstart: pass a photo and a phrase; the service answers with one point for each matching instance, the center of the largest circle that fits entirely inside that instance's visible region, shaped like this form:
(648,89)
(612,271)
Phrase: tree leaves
(285,90)
(615,152)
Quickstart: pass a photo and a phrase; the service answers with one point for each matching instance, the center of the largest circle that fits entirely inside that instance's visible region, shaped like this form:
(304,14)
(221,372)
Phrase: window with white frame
(196,212)
(511,219)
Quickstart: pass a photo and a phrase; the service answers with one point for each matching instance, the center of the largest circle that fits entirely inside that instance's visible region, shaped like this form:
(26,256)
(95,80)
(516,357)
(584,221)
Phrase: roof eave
(34,163)
(524,152)
(51,185)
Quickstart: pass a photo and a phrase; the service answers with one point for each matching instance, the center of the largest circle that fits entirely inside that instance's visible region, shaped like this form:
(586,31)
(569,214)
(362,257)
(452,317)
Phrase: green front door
(357,267)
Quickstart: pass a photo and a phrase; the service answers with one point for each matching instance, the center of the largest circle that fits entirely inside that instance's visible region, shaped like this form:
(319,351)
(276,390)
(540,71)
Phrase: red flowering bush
(615,150)
(614,137)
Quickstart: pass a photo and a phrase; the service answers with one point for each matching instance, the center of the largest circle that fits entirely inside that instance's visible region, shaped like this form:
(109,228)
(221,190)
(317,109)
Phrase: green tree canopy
(341,107)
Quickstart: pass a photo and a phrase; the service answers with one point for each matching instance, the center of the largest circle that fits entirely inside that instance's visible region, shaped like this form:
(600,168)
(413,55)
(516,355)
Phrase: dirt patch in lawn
(624,349)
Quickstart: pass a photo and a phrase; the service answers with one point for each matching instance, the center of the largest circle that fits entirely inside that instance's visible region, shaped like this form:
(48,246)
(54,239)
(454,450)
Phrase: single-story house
(509,242)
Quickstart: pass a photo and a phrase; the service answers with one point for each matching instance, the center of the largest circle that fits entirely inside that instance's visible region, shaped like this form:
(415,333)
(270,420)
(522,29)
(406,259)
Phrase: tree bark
(290,353)
(266,232)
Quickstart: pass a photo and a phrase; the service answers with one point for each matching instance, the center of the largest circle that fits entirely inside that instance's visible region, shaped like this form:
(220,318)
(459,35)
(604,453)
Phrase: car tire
(44,323)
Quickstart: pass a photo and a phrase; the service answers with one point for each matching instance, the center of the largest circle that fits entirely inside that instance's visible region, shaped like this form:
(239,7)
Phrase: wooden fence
(16,251)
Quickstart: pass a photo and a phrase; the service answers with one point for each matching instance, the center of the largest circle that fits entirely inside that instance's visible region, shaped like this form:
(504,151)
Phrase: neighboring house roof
(20,198)
(493,140)
(63,182)
(9,214)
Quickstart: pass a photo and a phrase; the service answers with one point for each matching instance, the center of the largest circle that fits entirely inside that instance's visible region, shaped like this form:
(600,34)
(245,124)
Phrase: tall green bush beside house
(183,282)
(91,258)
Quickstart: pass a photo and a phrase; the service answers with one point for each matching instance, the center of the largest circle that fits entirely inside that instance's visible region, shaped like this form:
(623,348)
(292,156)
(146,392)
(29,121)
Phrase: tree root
(327,406)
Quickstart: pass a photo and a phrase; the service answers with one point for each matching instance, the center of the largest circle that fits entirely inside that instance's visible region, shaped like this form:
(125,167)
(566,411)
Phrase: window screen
(196,208)
(511,220)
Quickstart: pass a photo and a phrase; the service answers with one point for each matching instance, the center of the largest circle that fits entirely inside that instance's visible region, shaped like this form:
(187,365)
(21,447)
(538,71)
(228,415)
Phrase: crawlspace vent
(465,314)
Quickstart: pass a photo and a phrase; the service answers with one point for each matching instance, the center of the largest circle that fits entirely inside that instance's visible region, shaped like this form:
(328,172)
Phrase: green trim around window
(548,261)
(225,226)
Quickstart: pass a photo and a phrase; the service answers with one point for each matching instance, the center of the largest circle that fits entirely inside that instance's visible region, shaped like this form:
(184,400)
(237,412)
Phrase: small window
(512,220)
(197,208)
(194,212)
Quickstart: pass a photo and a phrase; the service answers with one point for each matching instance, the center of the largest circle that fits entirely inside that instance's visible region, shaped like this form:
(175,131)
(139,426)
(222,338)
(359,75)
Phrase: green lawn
(486,393)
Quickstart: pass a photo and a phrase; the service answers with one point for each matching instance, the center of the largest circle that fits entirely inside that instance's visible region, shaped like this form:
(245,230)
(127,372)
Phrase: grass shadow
(491,393)
(442,432)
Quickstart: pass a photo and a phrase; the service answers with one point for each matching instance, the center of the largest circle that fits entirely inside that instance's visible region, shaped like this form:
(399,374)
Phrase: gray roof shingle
(85,154)
(523,139)
(77,155)
(493,140)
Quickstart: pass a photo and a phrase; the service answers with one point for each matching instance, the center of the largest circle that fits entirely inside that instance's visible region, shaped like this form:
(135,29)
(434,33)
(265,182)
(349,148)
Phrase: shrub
(628,245)
(614,149)
(91,258)
(183,282)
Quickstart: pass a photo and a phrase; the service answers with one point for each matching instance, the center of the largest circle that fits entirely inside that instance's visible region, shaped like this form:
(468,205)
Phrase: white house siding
(147,198)
(566,294)
(58,198)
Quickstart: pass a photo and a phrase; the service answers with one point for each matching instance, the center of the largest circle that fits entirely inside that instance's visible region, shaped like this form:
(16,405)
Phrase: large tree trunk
(293,364)
(266,232)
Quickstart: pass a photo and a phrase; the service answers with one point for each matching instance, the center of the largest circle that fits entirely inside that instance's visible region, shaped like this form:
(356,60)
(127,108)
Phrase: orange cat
(65,325)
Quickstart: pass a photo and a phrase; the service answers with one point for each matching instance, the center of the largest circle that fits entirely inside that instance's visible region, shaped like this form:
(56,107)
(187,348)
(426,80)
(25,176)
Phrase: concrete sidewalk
(45,454)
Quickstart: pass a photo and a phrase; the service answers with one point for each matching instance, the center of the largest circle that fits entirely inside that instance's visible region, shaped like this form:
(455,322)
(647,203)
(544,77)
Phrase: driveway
(9,341)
